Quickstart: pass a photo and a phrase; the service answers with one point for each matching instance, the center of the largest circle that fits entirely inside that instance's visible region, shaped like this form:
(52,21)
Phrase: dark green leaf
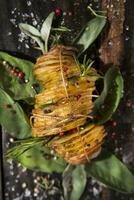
(112,172)
(25,145)
(12,117)
(16,88)
(89,34)
(61,29)
(33,33)
(79,180)
(31,30)
(46,28)
(74,182)
(41,159)
(108,101)
(66,181)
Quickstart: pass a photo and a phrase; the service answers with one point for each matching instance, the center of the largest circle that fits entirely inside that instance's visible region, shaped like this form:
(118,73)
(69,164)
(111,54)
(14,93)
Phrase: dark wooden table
(19,183)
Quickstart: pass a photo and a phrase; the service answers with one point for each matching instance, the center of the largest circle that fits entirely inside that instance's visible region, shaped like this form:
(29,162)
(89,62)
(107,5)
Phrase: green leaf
(30,30)
(89,34)
(108,101)
(11,84)
(41,159)
(79,180)
(12,117)
(74,182)
(66,181)
(46,28)
(96,12)
(61,29)
(33,33)
(112,172)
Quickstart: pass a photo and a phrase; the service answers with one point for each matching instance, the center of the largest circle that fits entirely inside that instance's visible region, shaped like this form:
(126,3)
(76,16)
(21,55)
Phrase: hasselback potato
(64,105)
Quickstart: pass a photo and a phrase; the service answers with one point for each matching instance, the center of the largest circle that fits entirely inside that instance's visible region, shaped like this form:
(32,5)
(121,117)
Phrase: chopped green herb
(47,104)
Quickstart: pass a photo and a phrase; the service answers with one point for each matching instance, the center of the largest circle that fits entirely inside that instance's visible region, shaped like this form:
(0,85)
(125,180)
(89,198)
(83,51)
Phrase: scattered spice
(114,123)
(8,106)
(14,111)
(58,11)
(14,72)
(61,134)
(78,97)
(21,75)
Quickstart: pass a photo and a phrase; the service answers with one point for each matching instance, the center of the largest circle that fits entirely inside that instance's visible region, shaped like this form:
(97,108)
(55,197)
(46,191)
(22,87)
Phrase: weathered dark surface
(112,46)
(22,183)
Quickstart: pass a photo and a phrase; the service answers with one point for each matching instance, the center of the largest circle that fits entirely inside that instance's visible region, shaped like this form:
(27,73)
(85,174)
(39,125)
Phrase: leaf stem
(25,145)
(61,29)
(94,13)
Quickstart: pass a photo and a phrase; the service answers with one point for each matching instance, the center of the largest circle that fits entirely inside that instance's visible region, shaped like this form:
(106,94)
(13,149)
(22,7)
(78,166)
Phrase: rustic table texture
(116,47)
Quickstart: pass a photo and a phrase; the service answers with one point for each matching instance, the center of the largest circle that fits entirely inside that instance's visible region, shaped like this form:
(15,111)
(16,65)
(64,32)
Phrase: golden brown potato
(64,105)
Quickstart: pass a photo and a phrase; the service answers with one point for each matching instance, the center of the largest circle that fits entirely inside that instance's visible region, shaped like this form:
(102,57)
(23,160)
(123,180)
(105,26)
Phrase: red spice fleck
(14,111)
(8,106)
(114,123)
(73,130)
(61,134)
(21,75)
(14,72)
(65,69)
(78,96)
(58,11)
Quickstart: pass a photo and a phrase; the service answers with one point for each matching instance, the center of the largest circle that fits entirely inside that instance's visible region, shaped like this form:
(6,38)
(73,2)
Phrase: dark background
(19,183)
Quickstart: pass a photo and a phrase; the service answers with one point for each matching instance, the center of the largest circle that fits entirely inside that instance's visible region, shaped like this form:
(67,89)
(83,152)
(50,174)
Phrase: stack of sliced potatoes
(64,105)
